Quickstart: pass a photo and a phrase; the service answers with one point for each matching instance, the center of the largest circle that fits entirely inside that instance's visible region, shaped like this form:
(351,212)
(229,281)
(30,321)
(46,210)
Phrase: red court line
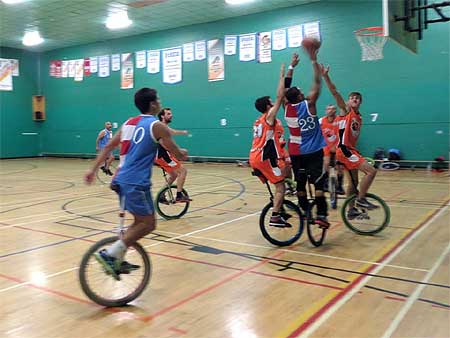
(209,288)
(395,298)
(348,288)
(54,233)
(174,329)
(441,307)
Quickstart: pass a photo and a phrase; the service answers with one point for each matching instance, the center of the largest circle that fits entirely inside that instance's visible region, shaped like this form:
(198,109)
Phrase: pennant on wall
(247,47)
(172,65)
(127,72)
(216,65)
(264,47)
(6,82)
(103,66)
(93,63)
(279,39)
(140,59)
(153,61)
(188,52)
(312,30)
(295,36)
(115,62)
(200,50)
(230,44)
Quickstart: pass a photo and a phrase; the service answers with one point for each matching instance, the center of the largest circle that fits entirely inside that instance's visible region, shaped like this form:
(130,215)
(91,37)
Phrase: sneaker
(108,262)
(102,168)
(340,190)
(182,199)
(352,213)
(279,222)
(162,199)
(126,267)
(364,203)
(322,222)
(285,215)
(109,172)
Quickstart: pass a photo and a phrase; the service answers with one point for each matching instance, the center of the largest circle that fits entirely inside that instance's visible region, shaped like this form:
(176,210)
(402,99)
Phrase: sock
(117,249)
(179,194)
(274,214)
(303,202)
(321,203)
(340,180)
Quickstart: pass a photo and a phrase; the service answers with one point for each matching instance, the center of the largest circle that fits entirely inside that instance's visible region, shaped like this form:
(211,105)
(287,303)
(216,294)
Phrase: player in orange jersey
(330,131)
(266,149)
(350,122)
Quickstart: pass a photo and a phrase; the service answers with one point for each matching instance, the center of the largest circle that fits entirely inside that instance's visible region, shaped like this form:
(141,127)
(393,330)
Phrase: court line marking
(414,296)
(339,299)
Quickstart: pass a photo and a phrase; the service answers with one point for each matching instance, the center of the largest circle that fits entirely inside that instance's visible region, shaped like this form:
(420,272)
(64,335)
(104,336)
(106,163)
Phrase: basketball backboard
(402,23)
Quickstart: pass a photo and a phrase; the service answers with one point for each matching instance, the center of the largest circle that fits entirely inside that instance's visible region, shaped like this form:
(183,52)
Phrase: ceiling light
(118,20)
(32,38)
(237,2)
(12,2)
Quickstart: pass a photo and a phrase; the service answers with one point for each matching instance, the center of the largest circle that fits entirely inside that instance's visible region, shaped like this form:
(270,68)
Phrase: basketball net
(371,40)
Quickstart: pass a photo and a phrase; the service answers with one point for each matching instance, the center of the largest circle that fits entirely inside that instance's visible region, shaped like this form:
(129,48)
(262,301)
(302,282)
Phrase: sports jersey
(105,139)
(350,128)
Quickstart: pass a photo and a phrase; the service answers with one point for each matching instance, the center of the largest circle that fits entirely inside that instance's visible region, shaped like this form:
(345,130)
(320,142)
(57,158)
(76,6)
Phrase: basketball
(310,43)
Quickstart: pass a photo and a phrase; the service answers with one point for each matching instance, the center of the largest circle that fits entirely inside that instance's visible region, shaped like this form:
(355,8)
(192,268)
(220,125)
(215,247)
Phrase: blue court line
(49,245)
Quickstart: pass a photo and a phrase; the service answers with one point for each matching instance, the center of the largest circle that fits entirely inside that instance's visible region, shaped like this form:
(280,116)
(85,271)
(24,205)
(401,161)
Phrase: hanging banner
(65,68)
(127,72)
(58,69)
(247,47)
(103,66)
(52,68)
(71,68)
(79,69)
(312,30)
(172,65)
(279,39)
(188,52)
(93,62)
(230,44)
(87,67)
(6,82)
(295,36)
(115,62)
(200,50)
(216,65)
(153,61)
(264,47)
(140,59)
(14,67)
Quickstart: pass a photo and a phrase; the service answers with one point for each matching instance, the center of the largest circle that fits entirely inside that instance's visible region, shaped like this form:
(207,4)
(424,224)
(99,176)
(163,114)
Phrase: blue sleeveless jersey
(311,133)
(138,151)
(105,139)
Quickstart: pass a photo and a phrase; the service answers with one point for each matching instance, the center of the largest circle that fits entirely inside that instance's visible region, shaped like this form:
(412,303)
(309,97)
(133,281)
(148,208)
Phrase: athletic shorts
(353,159)
(273,174)
(165,160)
(138,199)
(308,165)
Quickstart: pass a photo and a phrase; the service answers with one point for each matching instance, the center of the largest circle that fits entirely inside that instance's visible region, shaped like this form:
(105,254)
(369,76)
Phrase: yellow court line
(316,306)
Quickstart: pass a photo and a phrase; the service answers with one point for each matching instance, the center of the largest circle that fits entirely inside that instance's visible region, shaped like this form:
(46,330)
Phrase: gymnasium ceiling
(64,23)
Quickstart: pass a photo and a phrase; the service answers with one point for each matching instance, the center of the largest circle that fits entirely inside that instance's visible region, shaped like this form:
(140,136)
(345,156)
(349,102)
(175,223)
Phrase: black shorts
(308,165)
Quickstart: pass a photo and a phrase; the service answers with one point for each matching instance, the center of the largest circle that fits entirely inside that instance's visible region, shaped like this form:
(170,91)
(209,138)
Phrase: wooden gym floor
(214,275)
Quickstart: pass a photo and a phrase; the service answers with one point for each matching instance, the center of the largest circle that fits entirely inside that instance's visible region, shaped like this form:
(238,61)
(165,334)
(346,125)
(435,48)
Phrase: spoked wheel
(103,177)
(166,204)
(332,181)
(316,234)
(362,220)
(282,236)
(103,288)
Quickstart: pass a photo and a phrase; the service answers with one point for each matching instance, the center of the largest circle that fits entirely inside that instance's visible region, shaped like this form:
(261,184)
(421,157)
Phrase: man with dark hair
(306,141)
(350,122)
(266,149)
(104,136)
(169,163)
(138,137)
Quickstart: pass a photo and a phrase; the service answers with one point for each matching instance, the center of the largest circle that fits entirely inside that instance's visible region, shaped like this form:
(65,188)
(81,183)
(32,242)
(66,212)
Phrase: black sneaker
(322,222)
(109,263)
(352,213)
(126,267)
(182,199)
(279,222)
(162,199)
(340,190)
(109,172)
(103,169)
(364,203)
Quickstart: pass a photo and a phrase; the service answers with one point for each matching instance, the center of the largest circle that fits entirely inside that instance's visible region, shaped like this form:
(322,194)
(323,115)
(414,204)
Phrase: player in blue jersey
(104,136)
(139,137)
(306,141)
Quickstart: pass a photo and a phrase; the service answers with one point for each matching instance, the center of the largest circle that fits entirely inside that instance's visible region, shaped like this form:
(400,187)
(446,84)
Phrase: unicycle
(280,236)
(332,184)
(365,221)
(102,287)
(166,203)
(316,233)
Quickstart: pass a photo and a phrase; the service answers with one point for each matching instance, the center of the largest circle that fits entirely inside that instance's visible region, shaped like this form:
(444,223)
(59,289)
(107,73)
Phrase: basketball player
(138,137)
(104,136)
(350,122)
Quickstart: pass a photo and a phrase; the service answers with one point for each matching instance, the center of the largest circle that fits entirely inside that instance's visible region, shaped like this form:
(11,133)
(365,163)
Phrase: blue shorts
(138,199)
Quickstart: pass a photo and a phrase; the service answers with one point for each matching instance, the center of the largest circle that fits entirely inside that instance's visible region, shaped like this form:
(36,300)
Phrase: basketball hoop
(371,40)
